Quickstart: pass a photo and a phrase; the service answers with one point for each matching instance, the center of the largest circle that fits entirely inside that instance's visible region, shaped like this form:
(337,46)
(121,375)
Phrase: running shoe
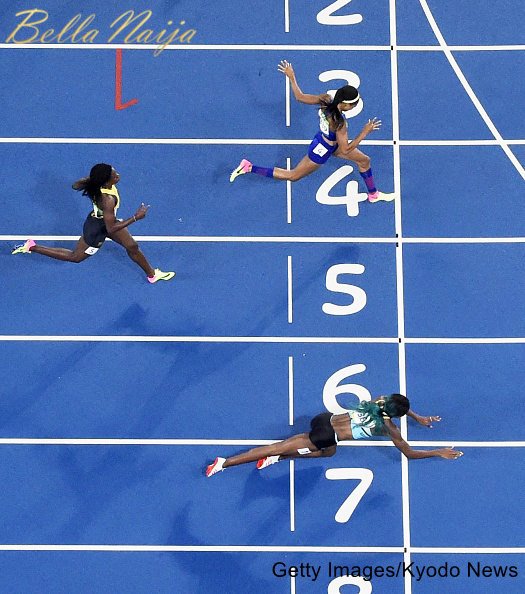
(24,248)
(159,275)
(243,167)
(377,196)
(215,467)
(268,461)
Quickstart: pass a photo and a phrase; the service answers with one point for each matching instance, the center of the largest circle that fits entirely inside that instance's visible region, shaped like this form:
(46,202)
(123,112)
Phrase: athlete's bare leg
(77,255)
(124,238)
(287,449)
(302,169)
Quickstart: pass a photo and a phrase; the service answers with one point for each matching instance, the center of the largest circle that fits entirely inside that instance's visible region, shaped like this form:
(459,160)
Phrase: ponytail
(373,412)
(386,407)
(332,112)
(90,186)
(346,94)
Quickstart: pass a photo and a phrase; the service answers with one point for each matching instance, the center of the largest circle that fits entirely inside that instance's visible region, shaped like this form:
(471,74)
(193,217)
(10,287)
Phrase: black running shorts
(322,434)
(94,231)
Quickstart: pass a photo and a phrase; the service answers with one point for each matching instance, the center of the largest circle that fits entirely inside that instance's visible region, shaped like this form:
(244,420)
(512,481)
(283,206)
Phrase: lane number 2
(327,17)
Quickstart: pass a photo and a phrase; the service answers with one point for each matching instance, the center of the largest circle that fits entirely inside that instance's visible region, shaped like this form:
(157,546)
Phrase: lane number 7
(364,475)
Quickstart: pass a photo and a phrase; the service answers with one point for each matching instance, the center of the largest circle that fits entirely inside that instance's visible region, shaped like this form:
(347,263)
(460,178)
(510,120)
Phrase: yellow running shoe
(159,275)
(24,248)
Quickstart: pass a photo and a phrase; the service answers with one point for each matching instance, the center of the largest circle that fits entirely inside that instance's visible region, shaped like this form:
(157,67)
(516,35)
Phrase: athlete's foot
(244,167)
(159,275)
(24,248)
(268,461)
(215,467)
(377,196)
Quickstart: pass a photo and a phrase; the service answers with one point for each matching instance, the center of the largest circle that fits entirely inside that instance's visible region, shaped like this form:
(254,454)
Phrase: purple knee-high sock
(369,181)
(265,171)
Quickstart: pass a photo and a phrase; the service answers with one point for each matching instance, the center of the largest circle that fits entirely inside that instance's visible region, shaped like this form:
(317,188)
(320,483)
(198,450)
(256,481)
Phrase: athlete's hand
(286,68)
(371,125)
(427,421)
(449,453)
(141,211)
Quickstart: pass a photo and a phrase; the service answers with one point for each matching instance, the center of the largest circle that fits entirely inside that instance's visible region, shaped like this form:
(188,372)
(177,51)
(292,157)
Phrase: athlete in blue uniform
(368,419)
(332,138)
(102,222)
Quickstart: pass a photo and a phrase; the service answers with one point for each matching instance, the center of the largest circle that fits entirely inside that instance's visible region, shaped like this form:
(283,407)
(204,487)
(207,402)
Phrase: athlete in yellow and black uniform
(102,222)
(95,231)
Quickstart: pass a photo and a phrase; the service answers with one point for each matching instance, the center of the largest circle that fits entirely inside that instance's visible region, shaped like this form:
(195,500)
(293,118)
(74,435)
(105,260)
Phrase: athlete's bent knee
(365,162)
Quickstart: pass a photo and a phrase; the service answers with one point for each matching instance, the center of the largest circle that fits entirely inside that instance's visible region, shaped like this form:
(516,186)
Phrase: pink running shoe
(268,461)
(377,196)
(24,248)
(215,467)
(243,167)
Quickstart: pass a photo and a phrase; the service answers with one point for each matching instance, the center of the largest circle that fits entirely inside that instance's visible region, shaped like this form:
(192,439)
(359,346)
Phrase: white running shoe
(268,461)
(215,467)
(159,275)
(377,196)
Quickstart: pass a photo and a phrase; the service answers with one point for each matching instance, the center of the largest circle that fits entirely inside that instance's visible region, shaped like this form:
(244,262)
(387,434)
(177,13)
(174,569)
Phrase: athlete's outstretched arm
(393,432)
(286,68)
(426,421)
(111,222)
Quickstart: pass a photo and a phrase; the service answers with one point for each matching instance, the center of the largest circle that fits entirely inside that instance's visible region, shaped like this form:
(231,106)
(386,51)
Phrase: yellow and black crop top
(97,212)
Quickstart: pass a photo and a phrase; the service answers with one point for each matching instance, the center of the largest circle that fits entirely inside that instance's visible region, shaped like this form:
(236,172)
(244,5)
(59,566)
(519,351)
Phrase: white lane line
(257,549)
(292,496)
(51,441)
(174,141)
(256,339)
(405,490)
(242,141)
(287,101)
(288,193)
(280,239)
(257,47)
(290,290)
(460,48)
(198,548)
(489,142)
(290,392)
(195,47)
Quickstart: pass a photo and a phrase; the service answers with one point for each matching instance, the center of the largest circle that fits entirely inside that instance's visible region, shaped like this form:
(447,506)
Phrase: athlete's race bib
(320,150)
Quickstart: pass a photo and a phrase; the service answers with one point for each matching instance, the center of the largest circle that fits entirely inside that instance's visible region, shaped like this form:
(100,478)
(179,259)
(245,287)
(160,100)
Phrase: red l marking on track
(118,84)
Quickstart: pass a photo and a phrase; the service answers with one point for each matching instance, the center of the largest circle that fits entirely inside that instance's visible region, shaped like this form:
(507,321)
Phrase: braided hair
(347,94)
(90,186)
